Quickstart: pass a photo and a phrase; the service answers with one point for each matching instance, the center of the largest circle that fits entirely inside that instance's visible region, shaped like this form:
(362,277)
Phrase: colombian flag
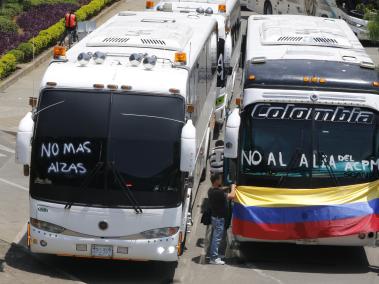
(288,214)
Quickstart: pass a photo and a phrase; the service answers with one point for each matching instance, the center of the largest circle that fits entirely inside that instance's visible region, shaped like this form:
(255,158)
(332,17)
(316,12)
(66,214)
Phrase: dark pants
(67,32)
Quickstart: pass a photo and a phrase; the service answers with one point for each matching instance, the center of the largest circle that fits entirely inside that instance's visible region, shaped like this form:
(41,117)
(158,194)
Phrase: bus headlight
(160,233)
(46,226)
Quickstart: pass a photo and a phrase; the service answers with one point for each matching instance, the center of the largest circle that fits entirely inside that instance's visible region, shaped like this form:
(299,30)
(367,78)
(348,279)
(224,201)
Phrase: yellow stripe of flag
(290,197)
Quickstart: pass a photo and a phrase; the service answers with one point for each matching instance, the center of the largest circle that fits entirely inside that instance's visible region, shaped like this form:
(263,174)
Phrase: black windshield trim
(331,179)
(37,190)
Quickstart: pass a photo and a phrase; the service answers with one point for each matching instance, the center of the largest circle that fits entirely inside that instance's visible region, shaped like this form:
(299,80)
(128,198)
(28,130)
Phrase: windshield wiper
(290,167)
(128,192)
(87,181)
(330,170)
(47,107)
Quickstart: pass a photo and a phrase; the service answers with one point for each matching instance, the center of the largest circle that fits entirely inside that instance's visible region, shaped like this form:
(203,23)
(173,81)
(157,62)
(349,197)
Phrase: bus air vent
(325,40)
(170,38)
(153,41)
(290,38)
(115,40)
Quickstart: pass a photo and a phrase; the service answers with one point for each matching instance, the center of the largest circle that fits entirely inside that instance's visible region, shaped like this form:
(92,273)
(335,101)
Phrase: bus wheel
(267,9)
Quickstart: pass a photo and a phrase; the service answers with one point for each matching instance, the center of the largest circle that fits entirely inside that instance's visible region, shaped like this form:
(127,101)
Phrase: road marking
(14,184)
(267,276)
(2,155)
(6,149)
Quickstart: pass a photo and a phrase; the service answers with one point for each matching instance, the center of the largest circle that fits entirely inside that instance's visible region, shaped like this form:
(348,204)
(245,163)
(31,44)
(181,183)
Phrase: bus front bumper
(161,249)
(353,240)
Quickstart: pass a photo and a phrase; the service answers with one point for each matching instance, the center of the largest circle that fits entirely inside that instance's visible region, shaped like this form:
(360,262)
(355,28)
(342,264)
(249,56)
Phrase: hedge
(7,64)
(18,54)
(7,25)
(27,49)
(46,38)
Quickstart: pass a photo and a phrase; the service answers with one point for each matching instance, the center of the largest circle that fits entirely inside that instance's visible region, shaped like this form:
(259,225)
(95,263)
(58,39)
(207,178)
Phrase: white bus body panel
(83,221)
(231,50)
(142,31)
(352,240)
(266,37)
(288,37)
(252,96)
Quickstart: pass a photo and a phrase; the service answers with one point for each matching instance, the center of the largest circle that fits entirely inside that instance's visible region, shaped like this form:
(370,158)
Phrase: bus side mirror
(231,134)
(188,147)
(23,140)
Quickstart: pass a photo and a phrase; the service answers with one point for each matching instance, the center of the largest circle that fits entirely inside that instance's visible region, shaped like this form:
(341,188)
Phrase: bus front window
(83,140)
(308,146)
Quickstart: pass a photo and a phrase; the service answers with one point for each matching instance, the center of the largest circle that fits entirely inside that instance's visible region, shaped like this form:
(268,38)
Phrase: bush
(42,17)
(7,26)
(7,65)
(18,54)
(50,36)
(43,39)
(92,9)
(40,2)
(27,49)
(11,10)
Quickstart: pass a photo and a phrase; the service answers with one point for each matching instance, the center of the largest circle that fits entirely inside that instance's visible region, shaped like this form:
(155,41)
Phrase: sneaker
(217,261)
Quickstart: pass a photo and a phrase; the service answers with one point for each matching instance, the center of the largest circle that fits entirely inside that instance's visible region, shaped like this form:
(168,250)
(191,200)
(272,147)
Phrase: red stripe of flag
(306,230)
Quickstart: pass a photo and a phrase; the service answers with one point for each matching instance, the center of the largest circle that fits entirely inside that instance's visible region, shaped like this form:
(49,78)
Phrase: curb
(44,56)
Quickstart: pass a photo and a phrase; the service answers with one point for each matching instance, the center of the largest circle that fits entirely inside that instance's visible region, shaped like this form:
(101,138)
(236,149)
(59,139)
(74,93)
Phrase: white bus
(228,15)
(303,146)
(338,9)
(119,138)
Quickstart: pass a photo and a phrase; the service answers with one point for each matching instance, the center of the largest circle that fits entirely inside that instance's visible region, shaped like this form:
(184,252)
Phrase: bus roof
(155,34)
(191,5)
(158,34)
(188,7)
(200,1)
(303,37)
(303,52)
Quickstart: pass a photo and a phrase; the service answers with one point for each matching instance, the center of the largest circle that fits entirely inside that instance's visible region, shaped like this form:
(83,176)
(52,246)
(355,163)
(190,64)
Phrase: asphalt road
(261,263)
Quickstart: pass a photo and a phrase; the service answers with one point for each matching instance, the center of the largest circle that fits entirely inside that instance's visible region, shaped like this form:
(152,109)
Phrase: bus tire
(267,8)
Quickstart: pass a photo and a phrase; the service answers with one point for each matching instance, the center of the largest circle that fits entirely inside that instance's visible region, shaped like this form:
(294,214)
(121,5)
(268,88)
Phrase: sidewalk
(14,100)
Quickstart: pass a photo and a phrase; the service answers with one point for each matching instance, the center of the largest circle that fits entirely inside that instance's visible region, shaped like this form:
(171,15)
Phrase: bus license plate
(103,251)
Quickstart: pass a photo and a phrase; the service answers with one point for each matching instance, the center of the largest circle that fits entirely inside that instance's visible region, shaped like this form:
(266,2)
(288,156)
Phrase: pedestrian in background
(219,209)
(71,24)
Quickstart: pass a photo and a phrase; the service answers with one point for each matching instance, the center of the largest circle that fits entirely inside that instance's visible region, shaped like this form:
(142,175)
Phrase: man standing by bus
(219,210)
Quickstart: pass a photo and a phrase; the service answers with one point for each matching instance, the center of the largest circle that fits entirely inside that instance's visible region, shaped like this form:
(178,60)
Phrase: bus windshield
(83,138)
(308,146)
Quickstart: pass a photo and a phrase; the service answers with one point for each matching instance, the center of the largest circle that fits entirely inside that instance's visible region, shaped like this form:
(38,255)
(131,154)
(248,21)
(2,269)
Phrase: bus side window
(202,81)
(193,91)
(230,171)
(243,52)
